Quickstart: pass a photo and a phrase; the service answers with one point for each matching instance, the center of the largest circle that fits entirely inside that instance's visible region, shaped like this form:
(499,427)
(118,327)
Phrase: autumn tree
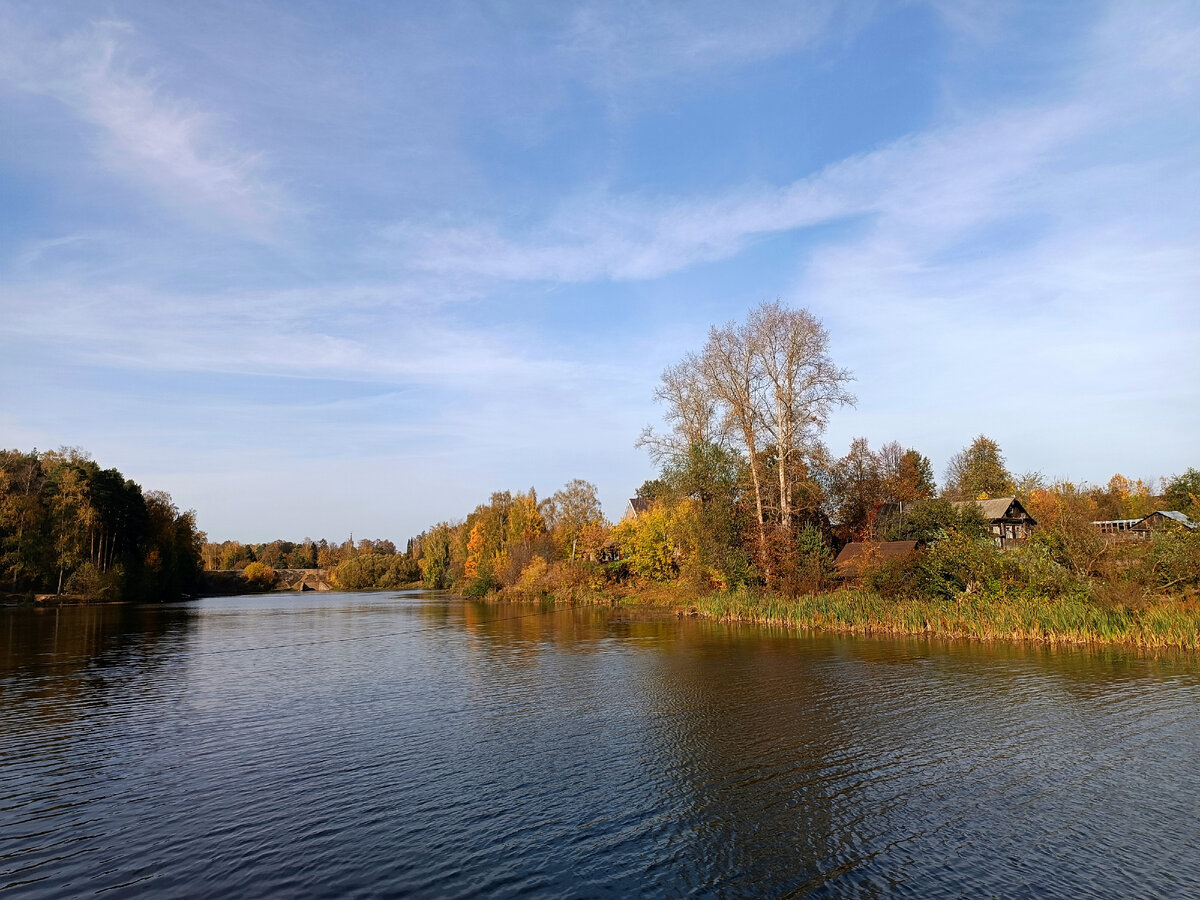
(765,387)
(714,477)
(978,470)
(858,487)
(907,474)
(690,411)
(1183,493)
(730,372)
(436,553)
(569,510)
(802,387)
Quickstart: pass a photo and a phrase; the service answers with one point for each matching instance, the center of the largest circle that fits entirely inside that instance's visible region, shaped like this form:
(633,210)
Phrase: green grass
(1071,619)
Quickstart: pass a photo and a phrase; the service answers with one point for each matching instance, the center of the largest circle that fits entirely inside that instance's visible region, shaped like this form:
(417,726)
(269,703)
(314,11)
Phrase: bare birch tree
(765,383)
(690,411)
(734,379)
(802,386)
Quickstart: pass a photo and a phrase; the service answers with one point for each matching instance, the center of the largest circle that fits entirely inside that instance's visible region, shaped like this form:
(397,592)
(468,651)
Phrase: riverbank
(1072,619)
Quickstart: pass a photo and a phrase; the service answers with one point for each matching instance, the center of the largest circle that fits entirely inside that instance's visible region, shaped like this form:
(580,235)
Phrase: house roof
(856,557)
(995,508)
(1172,514)
(638,505)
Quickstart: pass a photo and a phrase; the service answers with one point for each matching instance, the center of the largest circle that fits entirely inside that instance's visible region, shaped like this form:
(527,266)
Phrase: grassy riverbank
(1070,619)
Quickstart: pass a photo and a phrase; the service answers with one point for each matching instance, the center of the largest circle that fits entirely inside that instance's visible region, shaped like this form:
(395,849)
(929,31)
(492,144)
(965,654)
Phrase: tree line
(69,527)
(365,565)
(748,494)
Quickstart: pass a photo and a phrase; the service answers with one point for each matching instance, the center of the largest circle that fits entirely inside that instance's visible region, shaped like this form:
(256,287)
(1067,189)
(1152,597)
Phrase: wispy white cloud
(931,188)
(945,180)
(1056,222)
(147,134)
(624,43)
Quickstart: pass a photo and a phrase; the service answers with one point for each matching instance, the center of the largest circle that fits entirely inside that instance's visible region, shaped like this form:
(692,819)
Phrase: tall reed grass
(1069,619)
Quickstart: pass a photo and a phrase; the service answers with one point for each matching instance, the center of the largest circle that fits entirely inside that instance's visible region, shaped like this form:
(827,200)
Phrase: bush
(260,575)
(799,562)
(533,576)
(89,582)
(894,579)
(961,562)
(480,587)
(1171,561)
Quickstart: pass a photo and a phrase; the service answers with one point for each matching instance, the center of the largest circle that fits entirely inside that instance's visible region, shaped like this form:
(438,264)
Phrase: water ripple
(409,745)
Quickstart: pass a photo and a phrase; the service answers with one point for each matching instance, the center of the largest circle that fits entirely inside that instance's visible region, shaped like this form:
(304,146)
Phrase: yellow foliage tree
(475,544)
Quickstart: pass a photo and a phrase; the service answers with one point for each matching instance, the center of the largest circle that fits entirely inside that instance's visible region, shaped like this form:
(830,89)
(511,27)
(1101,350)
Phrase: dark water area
(409,744)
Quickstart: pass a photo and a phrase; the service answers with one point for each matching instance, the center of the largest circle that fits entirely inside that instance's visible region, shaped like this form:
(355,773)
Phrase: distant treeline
(69,527)
(366,565)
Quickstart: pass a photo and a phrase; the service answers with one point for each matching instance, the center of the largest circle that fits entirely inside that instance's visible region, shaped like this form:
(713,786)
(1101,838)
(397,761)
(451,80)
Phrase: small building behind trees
(859,557)
(1119,527)
(1007,520)
(1165,518)
(1147,526)
(634,508)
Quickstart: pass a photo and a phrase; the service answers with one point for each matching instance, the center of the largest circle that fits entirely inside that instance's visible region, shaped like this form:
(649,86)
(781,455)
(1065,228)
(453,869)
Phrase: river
(412,744)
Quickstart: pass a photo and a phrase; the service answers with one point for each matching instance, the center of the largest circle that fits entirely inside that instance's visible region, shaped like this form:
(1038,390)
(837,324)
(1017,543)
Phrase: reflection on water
(410,744)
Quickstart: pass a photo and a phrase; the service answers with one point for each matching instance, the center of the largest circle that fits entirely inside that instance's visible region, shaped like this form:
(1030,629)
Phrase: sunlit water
(413,745)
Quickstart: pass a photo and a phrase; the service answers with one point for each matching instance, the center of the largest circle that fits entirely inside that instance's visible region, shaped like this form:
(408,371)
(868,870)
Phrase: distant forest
(69,527)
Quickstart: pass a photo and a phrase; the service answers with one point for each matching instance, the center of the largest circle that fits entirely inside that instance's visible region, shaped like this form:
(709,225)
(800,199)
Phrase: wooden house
(862,556)
(1007,519)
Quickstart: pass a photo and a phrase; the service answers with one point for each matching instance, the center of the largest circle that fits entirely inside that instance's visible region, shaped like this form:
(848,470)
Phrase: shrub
(533,576)
(479,587)
(927,521)
(896,578)
(91,583)
(1171,561)
(798,562)
(260,575)
(960,562)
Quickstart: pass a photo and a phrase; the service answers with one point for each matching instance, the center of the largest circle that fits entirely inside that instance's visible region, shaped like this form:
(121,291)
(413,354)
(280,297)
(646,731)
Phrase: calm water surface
(414,745)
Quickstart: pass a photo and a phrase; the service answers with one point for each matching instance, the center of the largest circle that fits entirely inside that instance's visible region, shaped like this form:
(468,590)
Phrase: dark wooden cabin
(1007,519)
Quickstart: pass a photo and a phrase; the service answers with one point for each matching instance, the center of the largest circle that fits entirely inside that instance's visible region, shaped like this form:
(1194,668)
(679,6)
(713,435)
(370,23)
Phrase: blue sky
(317,267)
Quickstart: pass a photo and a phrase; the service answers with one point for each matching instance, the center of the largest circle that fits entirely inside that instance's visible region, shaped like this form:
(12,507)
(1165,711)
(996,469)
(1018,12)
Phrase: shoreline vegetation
(743,522)
(1167,623)
(750,509)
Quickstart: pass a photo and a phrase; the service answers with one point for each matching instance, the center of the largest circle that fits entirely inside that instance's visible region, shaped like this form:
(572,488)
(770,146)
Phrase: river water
(410,744)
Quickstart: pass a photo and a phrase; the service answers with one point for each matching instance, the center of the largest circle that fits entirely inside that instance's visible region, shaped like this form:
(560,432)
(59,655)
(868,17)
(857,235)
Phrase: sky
(318,268)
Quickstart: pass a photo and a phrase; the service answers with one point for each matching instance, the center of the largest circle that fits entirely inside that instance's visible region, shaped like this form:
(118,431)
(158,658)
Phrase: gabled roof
(638,505)
(857,557)
(995,508)
(1172,514)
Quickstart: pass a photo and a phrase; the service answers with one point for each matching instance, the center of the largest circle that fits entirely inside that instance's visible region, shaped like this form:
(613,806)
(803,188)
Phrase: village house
(1007,520)
(634,508)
